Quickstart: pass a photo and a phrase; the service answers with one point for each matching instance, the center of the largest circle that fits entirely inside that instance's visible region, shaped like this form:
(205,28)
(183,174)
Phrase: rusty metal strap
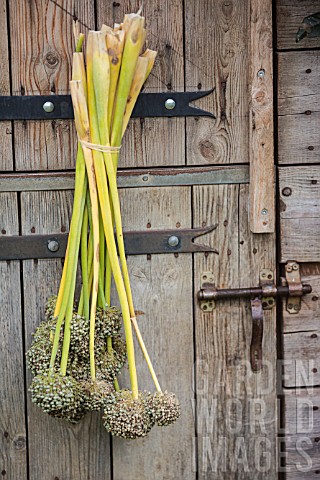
(136,243)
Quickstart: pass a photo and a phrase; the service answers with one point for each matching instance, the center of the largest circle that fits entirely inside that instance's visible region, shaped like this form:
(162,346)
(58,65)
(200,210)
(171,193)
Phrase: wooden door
(229,413)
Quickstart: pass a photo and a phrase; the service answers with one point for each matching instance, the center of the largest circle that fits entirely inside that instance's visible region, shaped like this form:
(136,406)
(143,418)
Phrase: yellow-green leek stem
(103,193)
(84,264)
(73,248)
(83,129)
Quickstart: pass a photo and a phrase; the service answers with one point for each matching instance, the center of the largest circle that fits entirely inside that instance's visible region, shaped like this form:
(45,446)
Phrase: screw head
(145,178)
(264,211)
(48,107)
(173,241)
(170,104)
(261,73)
(53,245)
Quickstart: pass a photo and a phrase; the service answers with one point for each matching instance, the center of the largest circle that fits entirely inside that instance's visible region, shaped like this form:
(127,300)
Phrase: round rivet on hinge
(264,211)
(145,178)
(53,245)
(170,104)
(48,107)
(261,73)
(173,241)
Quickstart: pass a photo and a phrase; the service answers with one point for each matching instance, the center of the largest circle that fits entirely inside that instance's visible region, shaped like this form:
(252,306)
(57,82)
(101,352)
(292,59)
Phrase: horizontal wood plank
(298,82)
(130,178)
(290,14)
(300,213)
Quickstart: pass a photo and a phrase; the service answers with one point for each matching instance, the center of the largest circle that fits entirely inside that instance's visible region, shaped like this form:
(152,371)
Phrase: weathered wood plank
(298,107)
(301,358)
(300,213)
(13,440)
(67,451)
(129,178)
(162,289)
(216,50)
(5,127)
(290,14)
(41,46)
(159,141)
(298,85)
(229,433)
(302,457)
(298,139)
(308,317)
(262,178)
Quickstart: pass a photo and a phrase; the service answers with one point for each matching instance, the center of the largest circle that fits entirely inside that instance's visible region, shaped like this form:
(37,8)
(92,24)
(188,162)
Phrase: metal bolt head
(145,178)
(261,73)
(53,245)
(173,241)
(48,107)
(264,211)
(170,104)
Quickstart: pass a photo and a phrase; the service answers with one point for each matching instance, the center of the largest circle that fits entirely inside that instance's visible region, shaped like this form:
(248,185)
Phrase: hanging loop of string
(99,148)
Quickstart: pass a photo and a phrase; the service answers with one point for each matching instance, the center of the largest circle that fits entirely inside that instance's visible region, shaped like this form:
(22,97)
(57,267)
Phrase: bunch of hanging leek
(78,351)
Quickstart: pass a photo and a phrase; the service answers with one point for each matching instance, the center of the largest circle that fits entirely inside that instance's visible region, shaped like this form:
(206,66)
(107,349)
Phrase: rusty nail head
(286,192)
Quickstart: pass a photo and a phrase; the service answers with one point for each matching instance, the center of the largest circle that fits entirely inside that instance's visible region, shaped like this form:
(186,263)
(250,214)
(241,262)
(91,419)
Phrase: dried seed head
(95,393)
(108,321)
(164,408)
(125,416)
(58,395)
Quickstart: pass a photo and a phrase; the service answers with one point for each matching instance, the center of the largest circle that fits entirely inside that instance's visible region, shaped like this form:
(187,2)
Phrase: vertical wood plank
(236,408)
(42,45)
(162,289)
(161,141)
(56,448)
(13,441)
(5,127)
(216,51)
(262,181)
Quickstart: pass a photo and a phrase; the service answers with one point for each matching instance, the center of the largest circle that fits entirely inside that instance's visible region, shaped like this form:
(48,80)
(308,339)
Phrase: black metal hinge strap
(136,243)
(54,107)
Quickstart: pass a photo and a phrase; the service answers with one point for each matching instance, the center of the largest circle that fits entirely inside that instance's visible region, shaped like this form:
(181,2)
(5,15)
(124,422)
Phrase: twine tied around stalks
(99,148)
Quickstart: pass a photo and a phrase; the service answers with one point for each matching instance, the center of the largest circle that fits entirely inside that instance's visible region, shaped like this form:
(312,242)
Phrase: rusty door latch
(261,298)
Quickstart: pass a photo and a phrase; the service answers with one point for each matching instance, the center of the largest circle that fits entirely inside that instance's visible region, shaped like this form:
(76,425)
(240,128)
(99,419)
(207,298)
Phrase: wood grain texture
(155,141)
(216,50)
(308,317)
(6,162)
(67,451)
(298,107)
(228,393)
(300,213)
(290,14)
(13,440)
(298,86)
(262,178)
(42,46)
(162,289)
